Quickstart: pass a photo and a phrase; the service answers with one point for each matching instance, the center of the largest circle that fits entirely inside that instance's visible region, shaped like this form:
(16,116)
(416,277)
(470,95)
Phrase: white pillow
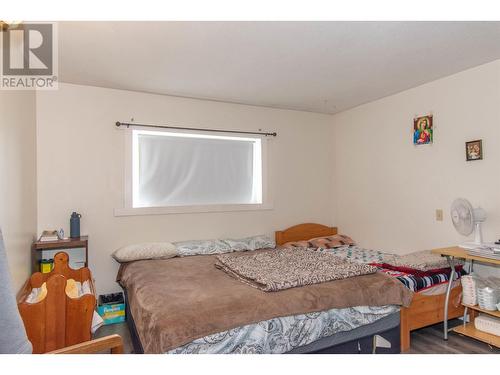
(421,260)
(149,250)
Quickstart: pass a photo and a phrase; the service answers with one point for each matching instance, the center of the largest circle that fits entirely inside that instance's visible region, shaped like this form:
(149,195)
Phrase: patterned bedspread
(412,282)
(280,335)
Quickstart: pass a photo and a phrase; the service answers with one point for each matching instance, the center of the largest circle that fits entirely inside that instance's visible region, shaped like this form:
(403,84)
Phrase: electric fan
(466,220)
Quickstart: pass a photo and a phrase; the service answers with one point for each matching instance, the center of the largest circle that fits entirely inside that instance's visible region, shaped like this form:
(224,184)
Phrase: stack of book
(491,251)
(49,235)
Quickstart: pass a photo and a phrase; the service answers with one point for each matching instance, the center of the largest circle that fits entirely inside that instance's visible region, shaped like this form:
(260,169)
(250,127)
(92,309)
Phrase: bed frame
(423,310)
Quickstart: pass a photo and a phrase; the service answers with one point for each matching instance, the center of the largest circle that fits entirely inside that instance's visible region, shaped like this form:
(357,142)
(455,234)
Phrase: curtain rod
(127,124)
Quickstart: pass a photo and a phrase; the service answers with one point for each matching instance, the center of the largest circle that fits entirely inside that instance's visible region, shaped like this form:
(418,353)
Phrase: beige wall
(18,180)
(80,167)
(388,189)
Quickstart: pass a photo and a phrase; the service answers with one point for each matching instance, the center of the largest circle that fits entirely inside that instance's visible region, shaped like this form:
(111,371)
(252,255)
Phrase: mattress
(299,333)
(439,289)
(387,328)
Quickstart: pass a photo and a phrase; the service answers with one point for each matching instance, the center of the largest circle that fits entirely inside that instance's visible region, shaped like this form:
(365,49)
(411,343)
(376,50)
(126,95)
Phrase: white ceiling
(314,66)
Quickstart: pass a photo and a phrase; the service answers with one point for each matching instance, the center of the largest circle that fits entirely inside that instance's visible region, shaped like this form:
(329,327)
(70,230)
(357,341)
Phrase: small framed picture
(423,130)
(474,150)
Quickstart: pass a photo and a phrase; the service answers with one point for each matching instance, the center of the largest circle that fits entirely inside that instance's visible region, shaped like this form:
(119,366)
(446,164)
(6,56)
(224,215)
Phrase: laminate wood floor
(427,340)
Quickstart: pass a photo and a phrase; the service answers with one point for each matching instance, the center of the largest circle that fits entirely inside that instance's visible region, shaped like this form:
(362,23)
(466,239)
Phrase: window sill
(129,211)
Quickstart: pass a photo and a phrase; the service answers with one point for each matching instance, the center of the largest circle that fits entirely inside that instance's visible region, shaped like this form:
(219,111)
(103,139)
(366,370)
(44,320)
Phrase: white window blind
(189,169)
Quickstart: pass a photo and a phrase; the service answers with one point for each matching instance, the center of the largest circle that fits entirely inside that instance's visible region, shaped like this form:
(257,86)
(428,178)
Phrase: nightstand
(77,249)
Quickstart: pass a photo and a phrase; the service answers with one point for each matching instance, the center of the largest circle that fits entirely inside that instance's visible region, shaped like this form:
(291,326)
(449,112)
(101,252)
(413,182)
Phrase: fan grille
(462,216)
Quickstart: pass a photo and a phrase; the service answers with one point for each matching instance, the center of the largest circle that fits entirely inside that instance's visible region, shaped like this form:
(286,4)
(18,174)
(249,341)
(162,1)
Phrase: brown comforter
(178,300)
(280,269)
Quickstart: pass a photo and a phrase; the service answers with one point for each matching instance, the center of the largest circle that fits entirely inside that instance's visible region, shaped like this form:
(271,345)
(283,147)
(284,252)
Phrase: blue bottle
(74,225)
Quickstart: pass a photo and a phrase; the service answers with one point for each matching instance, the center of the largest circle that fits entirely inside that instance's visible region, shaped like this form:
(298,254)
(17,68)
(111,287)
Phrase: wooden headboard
(303,232)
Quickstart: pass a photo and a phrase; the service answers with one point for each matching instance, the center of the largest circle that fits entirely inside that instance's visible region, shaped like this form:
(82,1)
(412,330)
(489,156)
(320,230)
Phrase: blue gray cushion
(204,247)
(250,243)
(201,247)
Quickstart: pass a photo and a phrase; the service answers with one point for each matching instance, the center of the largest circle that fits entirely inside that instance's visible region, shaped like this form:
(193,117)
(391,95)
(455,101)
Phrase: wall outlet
(439,214)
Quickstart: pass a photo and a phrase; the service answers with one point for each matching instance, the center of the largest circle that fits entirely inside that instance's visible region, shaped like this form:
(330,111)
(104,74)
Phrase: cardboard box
(112,313)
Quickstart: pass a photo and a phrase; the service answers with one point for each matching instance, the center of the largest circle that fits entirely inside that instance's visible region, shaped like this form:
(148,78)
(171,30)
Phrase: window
(172,172)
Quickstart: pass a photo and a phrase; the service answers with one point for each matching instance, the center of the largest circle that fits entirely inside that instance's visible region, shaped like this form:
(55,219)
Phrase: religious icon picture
(422,130)
(474,150)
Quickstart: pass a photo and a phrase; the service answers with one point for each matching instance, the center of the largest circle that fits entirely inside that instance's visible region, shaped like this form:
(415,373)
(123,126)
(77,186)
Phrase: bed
(427,305)
(186,305)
